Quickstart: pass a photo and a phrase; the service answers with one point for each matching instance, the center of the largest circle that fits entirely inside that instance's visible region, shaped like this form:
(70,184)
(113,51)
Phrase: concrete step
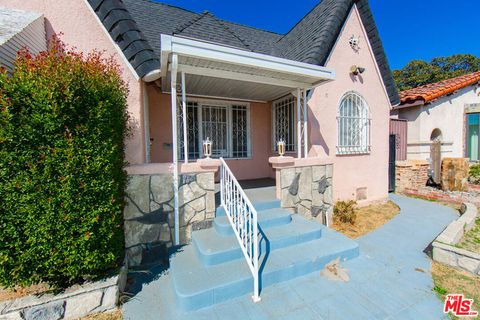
(259,206)
(266,219)
(213,248)
(197,286)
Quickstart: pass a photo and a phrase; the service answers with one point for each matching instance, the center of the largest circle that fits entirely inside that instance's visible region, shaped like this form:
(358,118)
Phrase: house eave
(288,73)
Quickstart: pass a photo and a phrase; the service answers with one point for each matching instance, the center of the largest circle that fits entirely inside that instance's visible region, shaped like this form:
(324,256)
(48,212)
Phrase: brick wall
(411,174)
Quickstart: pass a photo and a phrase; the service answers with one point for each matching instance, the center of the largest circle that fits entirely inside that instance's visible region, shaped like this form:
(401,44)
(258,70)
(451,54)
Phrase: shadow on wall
(316,137)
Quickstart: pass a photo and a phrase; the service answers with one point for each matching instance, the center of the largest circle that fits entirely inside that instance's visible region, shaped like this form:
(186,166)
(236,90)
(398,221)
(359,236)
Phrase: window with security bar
(226,125)
(353,125)
(284,123)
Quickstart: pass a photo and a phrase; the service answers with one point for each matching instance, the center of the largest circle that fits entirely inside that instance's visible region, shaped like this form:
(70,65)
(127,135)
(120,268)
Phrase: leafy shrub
(62,129)
(474,174)
(344,211)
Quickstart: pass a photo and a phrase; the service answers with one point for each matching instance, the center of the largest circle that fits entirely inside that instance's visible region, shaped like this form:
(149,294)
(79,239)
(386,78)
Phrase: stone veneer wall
(308,190)
(411,175)
(444,246)
(74,303)
(149,217)
(455,174)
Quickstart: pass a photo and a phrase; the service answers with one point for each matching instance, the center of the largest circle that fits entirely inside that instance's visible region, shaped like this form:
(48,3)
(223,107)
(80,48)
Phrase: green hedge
(62,131)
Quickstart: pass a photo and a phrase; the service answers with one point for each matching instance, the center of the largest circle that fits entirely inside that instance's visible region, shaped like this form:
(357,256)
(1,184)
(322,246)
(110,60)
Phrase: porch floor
(257,190)
(391,279)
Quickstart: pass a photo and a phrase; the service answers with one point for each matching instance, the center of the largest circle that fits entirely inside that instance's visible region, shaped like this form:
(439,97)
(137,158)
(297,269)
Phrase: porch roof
(221,71)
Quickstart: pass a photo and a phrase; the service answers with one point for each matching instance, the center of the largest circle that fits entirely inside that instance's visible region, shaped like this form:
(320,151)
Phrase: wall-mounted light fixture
(356,70)
(281,147)
(207,148)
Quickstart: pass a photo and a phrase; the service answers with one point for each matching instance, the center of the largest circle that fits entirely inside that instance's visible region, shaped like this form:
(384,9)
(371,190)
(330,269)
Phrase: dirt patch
(335,272)
(110,315)
(471,239)
(449,280)
(20,292)
(368,219)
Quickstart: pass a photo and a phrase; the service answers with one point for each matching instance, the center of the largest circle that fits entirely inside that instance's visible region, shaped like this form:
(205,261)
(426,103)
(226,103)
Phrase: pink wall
(354,171)
(82,30)
(261,133)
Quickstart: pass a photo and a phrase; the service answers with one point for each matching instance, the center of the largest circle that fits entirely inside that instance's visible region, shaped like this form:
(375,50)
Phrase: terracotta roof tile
(435,90)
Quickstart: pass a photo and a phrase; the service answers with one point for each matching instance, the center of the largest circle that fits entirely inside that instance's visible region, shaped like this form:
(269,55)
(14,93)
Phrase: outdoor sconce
(281,147)
(356,70)
(207,148)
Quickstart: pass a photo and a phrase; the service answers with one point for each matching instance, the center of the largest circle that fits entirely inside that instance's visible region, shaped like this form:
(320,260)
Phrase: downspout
(173,89)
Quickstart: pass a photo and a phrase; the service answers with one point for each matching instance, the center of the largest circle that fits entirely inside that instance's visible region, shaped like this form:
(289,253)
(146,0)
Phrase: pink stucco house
(241,84)
(324,89)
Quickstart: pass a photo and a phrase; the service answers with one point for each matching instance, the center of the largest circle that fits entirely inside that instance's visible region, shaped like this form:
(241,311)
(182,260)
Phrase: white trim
(146,123)
(120,52)
(173,86)
(213,52)
(184,118)
(217,73)
(299,124)
(365,35)
(305,124)
(201,96)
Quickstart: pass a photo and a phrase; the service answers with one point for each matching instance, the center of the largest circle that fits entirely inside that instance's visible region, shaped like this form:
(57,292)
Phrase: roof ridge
(191,22)
(168,5)
(433,84)
(232,32)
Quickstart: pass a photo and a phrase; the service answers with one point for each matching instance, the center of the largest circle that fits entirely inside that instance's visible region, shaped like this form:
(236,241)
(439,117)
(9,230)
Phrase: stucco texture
(447,114)
(261,132)
(352,172)
(81,29)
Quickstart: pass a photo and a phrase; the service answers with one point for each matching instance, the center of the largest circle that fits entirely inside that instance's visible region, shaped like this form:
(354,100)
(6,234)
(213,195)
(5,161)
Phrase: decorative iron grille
(227,126)
(284,127)
(353,125)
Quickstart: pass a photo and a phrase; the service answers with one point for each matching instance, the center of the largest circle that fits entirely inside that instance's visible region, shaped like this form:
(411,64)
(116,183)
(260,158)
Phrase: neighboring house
(20,29)
(448,111)
(242,85)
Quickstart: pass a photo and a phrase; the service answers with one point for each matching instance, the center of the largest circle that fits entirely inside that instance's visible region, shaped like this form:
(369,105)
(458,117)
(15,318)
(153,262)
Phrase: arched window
(353,125)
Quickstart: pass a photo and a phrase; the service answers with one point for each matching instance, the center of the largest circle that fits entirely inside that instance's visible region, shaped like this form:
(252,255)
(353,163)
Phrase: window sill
(353,152)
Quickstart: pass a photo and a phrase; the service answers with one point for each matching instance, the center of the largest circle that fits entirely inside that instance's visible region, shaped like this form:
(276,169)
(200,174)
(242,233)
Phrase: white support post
(305,124)
(299,123)
(146,124)
(173,85)
(184,116)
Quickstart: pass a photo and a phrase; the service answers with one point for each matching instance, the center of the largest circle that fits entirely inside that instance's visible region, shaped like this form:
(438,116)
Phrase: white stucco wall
(447,114)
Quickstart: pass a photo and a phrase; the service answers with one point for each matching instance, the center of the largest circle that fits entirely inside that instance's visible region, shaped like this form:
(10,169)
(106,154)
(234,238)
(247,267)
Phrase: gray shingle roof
(137,24)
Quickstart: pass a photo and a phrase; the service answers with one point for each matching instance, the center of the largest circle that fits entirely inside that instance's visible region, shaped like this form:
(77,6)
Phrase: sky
(410,29)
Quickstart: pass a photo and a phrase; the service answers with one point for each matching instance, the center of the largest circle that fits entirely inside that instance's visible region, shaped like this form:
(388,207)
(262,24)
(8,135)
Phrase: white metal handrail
(243,219)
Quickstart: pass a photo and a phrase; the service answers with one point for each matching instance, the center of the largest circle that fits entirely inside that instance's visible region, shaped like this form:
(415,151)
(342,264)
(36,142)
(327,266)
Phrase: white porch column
(305,124)
(184,116)
(173,89)
(299,123)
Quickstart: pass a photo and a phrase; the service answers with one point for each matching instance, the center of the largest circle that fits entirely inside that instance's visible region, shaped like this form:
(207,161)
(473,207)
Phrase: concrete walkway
(390,280)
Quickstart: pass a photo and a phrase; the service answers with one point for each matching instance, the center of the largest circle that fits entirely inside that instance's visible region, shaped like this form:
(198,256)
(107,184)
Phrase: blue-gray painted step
(266,219)
(213,248)
(197,286)
(259,206)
